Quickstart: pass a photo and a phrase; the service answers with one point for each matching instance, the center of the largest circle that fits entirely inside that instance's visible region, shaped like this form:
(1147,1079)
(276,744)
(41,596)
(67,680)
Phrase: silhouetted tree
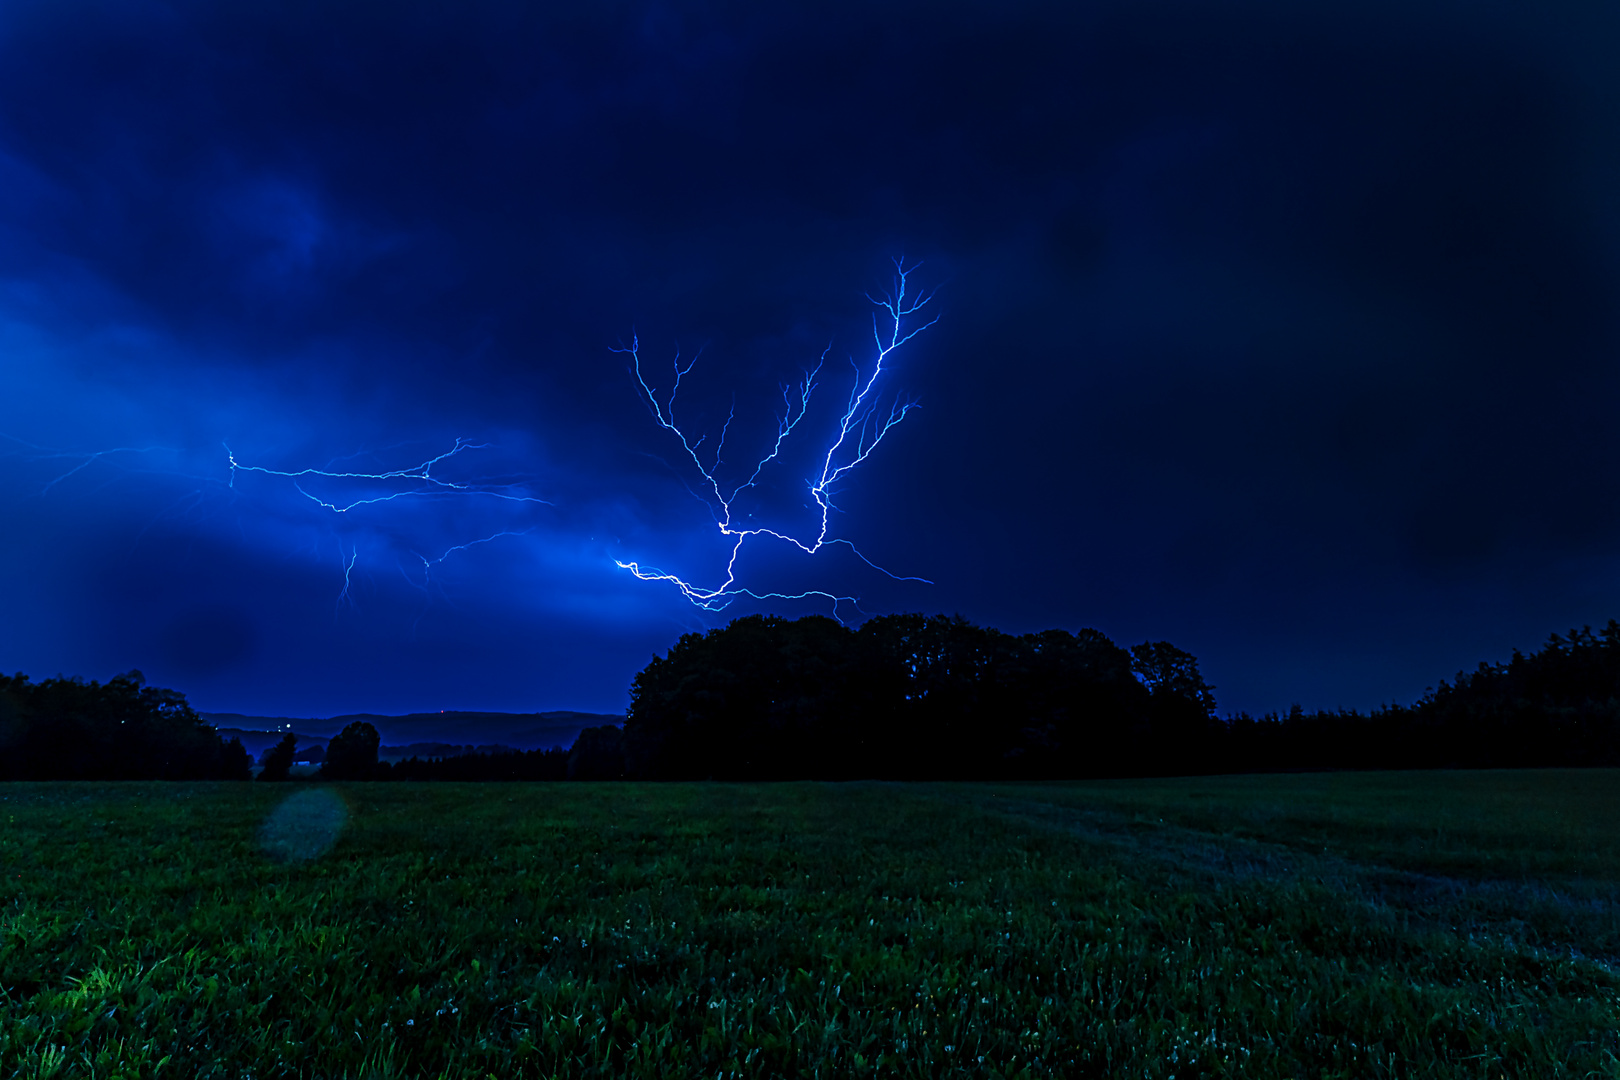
(1167,670)
(352,753)
(278,759)
(597,754)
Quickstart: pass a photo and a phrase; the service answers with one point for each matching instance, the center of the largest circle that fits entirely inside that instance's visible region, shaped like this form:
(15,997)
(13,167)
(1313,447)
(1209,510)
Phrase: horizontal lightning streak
(422,472)
(428,564)
(85,458)
(426,486)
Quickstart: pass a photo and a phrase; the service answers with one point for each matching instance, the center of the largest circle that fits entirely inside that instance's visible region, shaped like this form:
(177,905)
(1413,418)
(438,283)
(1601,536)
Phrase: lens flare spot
(304,826)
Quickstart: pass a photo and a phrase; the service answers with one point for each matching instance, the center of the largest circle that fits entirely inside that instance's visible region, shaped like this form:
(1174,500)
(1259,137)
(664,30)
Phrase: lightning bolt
(427,485)
(414,481)
(115,458)
(864,420)
(348,569)
(425,586)
(84,459)
(93,457)
(420,479)
(428,564)
(861,427)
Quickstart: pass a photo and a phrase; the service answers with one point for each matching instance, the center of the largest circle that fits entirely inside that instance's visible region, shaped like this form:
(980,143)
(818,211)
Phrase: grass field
(1411,925)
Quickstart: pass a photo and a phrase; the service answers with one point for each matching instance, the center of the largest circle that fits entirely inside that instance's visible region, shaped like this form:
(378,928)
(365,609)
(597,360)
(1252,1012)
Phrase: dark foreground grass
(1411,925)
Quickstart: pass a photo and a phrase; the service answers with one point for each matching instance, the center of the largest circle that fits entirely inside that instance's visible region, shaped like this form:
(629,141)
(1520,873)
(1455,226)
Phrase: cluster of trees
(122,729)
(351,755)
(914,697)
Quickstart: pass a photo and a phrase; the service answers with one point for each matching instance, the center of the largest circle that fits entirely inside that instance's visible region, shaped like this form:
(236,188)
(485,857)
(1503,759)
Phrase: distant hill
(520,731)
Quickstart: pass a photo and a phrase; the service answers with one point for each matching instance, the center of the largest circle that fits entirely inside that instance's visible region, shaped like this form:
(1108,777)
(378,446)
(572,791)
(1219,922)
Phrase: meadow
(1434,924)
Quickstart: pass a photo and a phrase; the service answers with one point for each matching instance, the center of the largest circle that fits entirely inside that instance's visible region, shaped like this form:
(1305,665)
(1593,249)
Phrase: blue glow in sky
(1286,335)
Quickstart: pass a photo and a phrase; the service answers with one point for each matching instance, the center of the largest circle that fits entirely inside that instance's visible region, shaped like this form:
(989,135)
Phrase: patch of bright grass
(1433,924)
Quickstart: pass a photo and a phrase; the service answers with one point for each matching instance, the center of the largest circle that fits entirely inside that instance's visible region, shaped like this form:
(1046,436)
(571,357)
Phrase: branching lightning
(83,459)
(344,488)
(112,458)
(415,481)
(425,586)
(94,456)
(422,479)
(428,564)
(861,427)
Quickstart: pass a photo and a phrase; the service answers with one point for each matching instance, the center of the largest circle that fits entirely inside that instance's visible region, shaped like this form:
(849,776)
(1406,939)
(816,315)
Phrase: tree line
(905,697)
(914,697)
(1558,706)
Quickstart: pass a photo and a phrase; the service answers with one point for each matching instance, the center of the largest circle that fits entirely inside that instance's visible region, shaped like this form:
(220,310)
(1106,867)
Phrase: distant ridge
(521,731)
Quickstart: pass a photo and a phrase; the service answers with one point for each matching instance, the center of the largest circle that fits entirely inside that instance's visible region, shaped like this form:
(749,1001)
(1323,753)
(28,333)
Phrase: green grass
(1411,925)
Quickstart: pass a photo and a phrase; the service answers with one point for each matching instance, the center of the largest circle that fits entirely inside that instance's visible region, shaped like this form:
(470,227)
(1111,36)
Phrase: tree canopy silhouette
(908,696)
(352,753)
(70,729)
(277,761)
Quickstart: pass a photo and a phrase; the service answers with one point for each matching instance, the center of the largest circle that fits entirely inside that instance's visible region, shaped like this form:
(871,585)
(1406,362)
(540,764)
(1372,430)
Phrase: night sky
(1287,333)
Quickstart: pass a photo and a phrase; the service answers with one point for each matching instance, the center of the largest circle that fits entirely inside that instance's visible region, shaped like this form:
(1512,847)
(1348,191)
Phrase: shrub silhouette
(279,758)
(352,753)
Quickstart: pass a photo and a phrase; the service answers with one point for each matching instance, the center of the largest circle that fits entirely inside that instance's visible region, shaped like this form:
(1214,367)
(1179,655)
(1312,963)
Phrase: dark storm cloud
(1286,335)
(207,641)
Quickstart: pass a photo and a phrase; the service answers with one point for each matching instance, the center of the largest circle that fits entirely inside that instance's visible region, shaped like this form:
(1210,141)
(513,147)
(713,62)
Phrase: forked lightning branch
(868,415)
